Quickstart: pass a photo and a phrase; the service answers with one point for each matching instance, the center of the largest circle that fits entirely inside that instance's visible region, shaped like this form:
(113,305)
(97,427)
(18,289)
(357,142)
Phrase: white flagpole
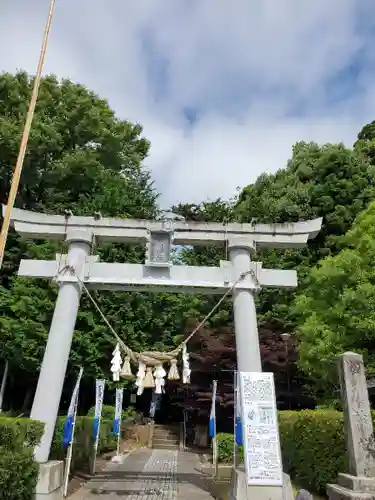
(118,445)
(3,385)
(69,456)
(118,416)
(70,447)
(234,419)
(98,415)
(213,415)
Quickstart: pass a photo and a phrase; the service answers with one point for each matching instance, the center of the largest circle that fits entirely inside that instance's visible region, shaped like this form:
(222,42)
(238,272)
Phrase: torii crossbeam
(37,225)
(173,279)
(239,274)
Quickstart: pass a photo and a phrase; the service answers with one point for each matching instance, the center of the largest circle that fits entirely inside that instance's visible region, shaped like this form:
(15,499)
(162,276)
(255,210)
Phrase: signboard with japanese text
(260,430)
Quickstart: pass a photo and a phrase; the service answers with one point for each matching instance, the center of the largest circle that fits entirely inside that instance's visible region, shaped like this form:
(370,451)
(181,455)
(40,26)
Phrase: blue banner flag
(238,433)
(238,422)
(212,425)
(118,411)
(99,393)
(69,421)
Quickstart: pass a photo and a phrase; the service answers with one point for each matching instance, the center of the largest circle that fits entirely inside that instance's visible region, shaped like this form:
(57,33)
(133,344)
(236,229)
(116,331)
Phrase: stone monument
(359,482)
(239,275)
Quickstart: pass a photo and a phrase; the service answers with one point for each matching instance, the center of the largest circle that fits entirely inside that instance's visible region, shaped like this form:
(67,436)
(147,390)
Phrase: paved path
(148,475)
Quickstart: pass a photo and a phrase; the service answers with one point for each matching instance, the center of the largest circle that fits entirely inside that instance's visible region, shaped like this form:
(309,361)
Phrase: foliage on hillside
(337,310)
(83,158)
(328,181)
(80,157)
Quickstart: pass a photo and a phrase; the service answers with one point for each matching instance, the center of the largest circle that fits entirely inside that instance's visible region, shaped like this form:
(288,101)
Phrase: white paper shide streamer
(159,374)
(140,378)
(185,366)
(116,363)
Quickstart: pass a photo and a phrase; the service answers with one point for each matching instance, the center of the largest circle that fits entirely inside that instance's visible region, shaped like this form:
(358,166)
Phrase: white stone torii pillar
(157,274)
(244,312)
(55,360)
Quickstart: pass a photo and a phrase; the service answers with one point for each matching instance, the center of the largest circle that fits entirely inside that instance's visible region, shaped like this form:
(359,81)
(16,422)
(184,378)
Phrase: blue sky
(223,89)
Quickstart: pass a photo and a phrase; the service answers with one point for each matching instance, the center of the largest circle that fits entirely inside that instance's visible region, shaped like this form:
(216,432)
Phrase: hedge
(312,444)
(83,444)
(108,413)
(18,470)
(313,447)
(15,433)
(18,438)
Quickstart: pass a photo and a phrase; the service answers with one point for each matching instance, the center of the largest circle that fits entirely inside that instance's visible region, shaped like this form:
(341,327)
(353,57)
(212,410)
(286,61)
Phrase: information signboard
(260,430)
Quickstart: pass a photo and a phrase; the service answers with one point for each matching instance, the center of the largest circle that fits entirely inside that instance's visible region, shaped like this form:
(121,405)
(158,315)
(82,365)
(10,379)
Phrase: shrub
(108,413)
(15,433)
(18,470)
(312,445)
(225,448)
(19,436)
(18,474)
(83,444)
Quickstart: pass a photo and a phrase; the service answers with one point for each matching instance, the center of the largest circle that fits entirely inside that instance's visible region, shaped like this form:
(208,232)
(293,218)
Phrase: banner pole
(69,455)
(95,453)
(118,417)
(3,385)
(99,395)
(118,444)
(69,431)
(214,439)
(235,418)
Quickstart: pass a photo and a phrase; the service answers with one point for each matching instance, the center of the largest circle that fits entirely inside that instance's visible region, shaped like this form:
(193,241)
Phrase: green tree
(365,144)
(75,144)
(336,312)
(213,348)
(328,181)
(83,158)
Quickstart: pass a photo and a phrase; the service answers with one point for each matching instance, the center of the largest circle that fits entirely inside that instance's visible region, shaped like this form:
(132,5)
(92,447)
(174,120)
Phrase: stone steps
(165,445)
(162,435)
(166,438)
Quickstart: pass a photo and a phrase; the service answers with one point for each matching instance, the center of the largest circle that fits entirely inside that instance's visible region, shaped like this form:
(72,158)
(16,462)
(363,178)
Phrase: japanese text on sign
(261,435)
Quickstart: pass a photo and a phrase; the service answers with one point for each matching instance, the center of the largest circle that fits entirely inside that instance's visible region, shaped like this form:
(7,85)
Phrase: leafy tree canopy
(83,158)
(337,310)
(328,181)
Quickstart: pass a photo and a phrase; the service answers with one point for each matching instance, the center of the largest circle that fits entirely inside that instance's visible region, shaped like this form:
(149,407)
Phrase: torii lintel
(38,225)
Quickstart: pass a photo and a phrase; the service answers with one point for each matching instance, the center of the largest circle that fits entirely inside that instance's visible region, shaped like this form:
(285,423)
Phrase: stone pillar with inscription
(359,482)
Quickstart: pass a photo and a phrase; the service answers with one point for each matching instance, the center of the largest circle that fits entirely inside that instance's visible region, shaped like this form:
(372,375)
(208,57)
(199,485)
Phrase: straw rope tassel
(173,371)
(149,379)
(126,371)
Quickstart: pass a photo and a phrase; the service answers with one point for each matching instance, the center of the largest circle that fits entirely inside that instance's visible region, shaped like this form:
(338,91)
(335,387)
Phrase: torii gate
(157,274)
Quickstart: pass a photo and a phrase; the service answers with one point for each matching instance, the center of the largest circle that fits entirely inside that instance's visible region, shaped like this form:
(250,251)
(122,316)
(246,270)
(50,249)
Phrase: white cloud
(245,65)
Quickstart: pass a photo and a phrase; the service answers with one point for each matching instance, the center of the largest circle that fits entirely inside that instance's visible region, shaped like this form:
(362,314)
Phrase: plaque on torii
(239,275)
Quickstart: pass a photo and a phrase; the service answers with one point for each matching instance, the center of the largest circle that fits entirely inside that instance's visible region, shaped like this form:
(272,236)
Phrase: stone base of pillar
(50,481)
(352,487)
(239,490)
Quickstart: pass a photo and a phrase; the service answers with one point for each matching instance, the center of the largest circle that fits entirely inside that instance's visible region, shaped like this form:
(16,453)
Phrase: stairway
(166,437)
